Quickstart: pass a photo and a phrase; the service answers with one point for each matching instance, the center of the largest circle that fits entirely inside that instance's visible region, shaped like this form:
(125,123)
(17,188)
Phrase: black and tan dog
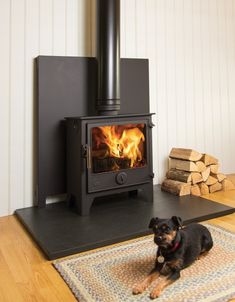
(177,248)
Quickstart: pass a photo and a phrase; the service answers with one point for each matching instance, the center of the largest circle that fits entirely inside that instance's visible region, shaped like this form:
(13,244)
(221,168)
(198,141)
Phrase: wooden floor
(25,275)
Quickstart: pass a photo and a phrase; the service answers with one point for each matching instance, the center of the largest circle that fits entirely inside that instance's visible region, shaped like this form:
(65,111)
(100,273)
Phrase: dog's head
(165,230)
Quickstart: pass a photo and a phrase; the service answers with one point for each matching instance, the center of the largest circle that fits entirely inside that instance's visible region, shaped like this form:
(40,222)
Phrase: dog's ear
(153,222)
(177,221)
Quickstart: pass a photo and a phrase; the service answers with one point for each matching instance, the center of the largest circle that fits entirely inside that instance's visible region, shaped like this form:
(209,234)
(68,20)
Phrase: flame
(123,142)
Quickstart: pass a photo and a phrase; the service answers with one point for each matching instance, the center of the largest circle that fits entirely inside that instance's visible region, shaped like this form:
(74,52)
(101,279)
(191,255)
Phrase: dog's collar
(176,243)
(175,247)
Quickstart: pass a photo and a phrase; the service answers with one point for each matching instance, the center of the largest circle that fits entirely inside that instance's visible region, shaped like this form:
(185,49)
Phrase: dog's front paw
(138,289)
(155,293)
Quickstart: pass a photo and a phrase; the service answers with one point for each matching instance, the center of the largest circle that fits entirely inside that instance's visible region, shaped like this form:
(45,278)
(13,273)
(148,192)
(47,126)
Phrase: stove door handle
(86,151)
(88,157)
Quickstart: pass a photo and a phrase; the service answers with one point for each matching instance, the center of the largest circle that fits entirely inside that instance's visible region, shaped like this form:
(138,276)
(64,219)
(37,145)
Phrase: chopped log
(227,185)
(179,175)
(220,177)
(176,187)
(196,177)
(206,173)
(204,188)
(201,166)
(215,187)
(188,154)
(101,153)
(211,180)
(110,163)
(195,190)
(184,165)
(214,168)
(209,160)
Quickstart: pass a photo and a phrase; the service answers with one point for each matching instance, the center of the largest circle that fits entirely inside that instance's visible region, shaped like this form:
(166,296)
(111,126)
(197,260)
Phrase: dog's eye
(167,229)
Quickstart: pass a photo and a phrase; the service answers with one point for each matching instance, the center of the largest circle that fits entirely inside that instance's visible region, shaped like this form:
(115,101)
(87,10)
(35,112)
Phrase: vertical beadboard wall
(191,49)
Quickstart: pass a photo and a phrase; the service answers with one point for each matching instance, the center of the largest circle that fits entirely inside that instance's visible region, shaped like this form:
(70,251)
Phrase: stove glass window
(118,147)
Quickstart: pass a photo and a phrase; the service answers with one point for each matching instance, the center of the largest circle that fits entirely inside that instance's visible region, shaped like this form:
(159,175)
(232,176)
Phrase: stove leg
(83,208)
(148,191)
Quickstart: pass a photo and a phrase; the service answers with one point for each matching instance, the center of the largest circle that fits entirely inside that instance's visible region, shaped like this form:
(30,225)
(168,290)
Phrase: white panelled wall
(190,45)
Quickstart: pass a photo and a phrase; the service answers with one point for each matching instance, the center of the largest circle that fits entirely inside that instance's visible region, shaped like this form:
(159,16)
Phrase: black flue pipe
(108,56)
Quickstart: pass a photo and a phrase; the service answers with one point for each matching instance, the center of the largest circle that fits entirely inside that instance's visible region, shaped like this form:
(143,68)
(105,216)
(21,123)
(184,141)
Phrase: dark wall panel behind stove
(66,86)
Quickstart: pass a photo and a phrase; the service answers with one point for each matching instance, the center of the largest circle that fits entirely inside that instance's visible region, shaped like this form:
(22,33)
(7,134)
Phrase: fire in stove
(117,147)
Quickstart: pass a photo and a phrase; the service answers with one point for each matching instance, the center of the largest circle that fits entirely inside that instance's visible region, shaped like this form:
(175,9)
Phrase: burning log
(116,147)
(110,164)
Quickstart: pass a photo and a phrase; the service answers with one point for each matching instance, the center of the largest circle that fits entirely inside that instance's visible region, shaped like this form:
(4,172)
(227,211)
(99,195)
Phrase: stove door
(119,154)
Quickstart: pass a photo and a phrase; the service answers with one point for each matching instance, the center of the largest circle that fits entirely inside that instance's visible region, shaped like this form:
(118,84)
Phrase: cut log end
(204,188)
(209,160)
(195,190)
(211,180)
(215,187)
(196,177)
(227,185)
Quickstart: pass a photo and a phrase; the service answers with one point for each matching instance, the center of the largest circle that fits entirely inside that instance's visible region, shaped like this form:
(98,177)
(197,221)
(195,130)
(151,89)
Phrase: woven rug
(108,275)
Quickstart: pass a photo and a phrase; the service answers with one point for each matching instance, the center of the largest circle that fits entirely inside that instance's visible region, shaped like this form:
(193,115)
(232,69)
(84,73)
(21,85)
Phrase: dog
(178,247)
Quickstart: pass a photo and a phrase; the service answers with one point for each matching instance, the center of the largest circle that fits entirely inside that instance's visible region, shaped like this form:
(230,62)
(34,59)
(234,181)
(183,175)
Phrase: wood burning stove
(108,155)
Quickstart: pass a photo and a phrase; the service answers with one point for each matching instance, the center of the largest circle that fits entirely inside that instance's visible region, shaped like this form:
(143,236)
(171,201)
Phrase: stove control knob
(121,178)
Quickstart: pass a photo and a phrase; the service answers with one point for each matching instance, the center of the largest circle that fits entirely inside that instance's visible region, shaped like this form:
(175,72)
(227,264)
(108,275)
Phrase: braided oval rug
(108,274)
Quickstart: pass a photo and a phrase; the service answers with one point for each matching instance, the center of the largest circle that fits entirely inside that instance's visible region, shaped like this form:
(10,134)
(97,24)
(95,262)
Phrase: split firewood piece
(201,166)
(179,175)
(211,180)
(205,174)
(187,154)
(215,187)
(176,187)
(204,188)
(227,185)
(214,168)
(220,177)
(195,190)
(196,177)
(209,160)
(184,165)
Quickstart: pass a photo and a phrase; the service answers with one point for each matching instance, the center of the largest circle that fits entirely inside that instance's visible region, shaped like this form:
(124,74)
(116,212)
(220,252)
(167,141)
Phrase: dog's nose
(159,237)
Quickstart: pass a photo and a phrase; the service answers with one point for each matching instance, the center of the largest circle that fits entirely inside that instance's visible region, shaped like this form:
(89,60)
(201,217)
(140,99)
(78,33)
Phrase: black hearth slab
(61,232)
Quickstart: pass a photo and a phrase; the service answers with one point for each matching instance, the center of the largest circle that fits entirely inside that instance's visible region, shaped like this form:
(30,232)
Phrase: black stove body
(96,168)
(108,153)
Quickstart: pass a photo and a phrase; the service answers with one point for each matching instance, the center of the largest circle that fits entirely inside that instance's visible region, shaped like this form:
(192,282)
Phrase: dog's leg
(155,293)
(202,255)
(139,288)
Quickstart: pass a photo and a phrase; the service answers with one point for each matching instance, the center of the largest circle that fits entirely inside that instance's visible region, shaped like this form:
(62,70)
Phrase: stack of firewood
(191,172)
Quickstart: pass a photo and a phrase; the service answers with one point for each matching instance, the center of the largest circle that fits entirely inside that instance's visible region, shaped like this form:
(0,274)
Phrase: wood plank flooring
(25,275)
